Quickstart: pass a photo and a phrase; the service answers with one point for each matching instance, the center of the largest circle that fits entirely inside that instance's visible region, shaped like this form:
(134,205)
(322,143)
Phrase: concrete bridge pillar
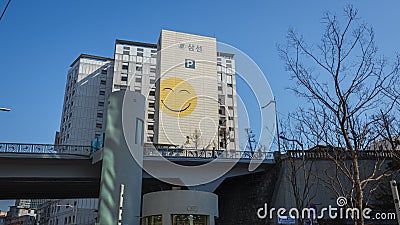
(122,159)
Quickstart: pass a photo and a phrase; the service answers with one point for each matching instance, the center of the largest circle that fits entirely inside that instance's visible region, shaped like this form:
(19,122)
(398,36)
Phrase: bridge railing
(324,154)
(206,153)
(45,149)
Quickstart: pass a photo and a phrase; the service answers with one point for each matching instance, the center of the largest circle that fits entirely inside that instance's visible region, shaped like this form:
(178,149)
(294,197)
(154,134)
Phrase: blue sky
(40,39)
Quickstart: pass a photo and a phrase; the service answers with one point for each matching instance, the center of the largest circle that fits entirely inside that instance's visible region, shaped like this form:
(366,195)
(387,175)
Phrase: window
(65,220)
(230,117)
(137,89)
(125,52)
(153,220)
(152,81)
(103,82)
(125,66)
(99,125)
(140,54)
(230,96)
(221,110)
(100,115)
(138,79)
(124,78)
(102,92)
(189,219)
(150,127)
(150,116)
(138,68)
(231,129)
(229,79)
(127,48)
(152,93)
(219,88)
(101,104)
(139,132)
(152,70)
(139,49)
(69,125)
(103,71)
(151,105)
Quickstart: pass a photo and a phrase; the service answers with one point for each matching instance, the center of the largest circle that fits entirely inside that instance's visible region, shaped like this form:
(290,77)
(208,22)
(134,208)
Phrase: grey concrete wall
(323,183)
(240,197)
(119,166)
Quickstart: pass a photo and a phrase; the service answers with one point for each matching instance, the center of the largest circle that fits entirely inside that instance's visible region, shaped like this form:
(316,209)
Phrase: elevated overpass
(65,171)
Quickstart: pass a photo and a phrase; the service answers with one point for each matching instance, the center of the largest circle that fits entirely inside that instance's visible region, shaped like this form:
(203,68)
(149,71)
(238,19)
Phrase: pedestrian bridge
(67,171)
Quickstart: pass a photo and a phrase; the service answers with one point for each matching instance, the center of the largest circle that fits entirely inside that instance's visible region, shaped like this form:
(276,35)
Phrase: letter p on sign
(190,63)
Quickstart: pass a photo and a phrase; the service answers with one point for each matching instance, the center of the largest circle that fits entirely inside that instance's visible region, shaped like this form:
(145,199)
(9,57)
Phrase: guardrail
(46,149)
(206,153)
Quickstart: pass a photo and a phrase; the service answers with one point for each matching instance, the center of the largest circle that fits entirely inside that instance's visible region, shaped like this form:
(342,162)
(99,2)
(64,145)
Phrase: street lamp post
(276,121)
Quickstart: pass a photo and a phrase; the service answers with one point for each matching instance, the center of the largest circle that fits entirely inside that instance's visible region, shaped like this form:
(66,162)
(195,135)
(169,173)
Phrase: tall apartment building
(181,62)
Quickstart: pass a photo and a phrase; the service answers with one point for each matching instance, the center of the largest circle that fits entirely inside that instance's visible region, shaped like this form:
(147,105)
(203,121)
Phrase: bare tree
(196,138)
(353,96)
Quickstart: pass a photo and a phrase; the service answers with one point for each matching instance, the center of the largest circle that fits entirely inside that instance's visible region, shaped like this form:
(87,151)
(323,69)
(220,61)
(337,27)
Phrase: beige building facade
(187,91)
(190,91)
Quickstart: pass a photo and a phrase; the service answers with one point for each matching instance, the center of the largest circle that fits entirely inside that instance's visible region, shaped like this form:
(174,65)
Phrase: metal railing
(206,153)
(45,149)
(148,151)
(326,154)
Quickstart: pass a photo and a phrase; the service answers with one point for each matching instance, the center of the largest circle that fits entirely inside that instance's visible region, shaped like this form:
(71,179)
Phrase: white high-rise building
(189,87)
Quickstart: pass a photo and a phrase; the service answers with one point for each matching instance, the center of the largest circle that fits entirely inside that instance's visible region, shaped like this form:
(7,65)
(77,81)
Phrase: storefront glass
(189,219)
(152,220)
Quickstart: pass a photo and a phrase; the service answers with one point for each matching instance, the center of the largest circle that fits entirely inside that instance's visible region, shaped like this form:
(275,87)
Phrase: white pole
(121,203)
(396,199)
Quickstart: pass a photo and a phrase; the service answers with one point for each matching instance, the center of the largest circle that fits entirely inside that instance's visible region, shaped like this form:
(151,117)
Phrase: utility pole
(276,121)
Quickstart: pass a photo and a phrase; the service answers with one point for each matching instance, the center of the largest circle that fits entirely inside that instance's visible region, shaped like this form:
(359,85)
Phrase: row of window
(138,68)
(139,51)
(124,77)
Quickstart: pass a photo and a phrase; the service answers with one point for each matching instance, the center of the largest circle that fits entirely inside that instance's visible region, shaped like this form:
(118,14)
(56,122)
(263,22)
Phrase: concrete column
(125,111)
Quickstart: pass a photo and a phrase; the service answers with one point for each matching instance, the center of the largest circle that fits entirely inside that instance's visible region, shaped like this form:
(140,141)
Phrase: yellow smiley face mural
(177,97)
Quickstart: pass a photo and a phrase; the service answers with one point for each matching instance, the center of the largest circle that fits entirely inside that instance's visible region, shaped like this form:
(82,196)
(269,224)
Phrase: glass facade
(152,220)
(189,219)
